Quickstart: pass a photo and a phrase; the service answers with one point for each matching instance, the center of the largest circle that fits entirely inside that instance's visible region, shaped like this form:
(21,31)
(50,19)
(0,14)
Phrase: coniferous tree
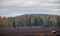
(58,22)
(14,25)
(35,22)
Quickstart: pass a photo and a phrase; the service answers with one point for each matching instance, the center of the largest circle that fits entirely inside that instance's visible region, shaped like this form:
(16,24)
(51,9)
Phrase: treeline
(30,21)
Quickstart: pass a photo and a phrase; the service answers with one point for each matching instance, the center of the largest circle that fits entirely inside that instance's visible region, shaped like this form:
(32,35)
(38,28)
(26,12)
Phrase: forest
(30,20)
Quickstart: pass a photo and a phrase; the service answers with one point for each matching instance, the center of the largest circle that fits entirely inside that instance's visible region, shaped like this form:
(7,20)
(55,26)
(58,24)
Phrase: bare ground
(29,32)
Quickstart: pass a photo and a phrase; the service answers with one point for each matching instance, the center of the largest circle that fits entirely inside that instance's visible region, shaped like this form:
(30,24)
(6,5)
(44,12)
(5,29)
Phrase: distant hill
(38,15)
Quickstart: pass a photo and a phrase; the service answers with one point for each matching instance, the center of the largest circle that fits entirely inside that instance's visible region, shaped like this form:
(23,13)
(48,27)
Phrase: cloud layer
(19,7)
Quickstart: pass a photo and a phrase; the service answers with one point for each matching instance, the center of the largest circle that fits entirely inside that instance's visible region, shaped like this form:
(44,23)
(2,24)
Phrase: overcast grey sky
(20,7)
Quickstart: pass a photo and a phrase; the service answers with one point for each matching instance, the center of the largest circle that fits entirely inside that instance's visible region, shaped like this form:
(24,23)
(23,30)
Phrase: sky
(20,7)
